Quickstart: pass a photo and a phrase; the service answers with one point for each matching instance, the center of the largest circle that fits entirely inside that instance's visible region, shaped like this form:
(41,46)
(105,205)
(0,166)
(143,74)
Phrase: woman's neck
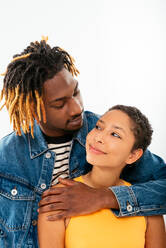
(100,177)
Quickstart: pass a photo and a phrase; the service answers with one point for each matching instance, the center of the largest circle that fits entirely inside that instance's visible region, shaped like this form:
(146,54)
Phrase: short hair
(141,127)
(23,82)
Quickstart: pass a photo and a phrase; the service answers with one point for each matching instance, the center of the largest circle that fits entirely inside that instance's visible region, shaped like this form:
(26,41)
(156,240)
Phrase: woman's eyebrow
(113,126)
(119,128)
(100,120)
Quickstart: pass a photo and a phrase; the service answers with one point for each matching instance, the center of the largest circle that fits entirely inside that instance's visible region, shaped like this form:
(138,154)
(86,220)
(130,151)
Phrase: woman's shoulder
(120,183)
(79,179)
(124,183)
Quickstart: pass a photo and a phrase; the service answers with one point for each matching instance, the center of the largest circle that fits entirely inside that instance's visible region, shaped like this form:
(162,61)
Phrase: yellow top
(103,229)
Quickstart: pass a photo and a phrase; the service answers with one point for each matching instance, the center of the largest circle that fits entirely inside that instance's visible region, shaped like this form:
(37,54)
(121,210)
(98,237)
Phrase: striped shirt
(62,147)
(61,166)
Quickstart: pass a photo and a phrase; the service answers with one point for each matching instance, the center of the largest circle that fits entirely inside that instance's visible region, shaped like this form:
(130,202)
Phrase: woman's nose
(99,138)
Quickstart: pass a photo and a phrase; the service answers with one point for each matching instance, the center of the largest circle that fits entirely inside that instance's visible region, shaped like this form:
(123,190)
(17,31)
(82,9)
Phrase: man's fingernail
(50,218)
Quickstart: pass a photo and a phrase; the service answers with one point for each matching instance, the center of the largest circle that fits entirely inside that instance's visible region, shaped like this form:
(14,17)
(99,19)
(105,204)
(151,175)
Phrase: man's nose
(75,106)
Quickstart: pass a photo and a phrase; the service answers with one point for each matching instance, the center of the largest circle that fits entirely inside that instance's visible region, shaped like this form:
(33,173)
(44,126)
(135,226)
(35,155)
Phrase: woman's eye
(97,127)
(115,135)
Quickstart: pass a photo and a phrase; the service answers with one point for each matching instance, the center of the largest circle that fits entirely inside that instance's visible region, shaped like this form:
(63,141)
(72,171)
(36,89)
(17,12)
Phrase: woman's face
(110,143)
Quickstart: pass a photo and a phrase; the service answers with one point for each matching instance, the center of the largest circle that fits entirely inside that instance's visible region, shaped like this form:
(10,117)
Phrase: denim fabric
(26,167)
(149,197)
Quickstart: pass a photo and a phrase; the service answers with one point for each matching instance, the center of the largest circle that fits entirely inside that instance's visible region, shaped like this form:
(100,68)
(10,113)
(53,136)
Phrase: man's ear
(134,156)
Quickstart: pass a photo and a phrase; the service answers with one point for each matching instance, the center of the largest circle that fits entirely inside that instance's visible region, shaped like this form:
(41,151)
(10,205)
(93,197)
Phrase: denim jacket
(26,167)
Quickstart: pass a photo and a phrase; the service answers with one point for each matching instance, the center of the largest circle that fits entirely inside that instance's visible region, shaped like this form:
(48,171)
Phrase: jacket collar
(38,145)
(80,136)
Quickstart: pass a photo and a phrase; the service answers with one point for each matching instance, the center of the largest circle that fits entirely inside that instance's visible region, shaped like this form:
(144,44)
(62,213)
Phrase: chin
(77,127)
(90,160)
(72,130)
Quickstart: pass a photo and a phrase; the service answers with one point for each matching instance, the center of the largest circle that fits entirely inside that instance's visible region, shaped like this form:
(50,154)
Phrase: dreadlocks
(23,83)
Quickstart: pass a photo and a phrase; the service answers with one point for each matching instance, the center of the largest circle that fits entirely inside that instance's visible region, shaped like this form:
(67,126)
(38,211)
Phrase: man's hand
(75,199)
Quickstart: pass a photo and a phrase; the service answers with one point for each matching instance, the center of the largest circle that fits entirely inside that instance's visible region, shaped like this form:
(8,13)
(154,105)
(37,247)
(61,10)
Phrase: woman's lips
(95,150)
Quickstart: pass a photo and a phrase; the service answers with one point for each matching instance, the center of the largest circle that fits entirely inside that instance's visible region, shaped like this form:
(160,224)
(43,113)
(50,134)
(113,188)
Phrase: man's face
(63,105)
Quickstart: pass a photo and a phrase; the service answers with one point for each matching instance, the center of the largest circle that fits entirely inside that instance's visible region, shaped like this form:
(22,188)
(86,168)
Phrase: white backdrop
(119,47)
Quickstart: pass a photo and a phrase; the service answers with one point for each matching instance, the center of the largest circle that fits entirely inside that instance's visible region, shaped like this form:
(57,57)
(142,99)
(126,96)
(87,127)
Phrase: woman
(120,137)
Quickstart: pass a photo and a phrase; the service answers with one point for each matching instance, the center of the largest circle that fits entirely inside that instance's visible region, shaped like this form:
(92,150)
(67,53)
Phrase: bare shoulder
(155,233)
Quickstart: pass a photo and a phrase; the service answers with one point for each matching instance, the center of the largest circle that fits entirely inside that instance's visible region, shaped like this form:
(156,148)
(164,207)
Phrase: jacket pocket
(16,201)
(3,235)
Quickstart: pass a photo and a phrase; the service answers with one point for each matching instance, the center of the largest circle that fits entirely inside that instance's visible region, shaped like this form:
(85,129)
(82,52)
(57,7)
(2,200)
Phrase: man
(50,128)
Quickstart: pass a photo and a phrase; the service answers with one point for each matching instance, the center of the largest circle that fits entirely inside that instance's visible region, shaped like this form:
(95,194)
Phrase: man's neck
(59,139)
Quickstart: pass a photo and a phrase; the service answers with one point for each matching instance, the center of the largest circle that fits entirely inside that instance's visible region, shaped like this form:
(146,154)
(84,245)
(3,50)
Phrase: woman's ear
(134,156)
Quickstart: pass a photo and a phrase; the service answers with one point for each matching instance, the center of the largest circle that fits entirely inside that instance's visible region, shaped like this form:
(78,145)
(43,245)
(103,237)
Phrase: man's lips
(76,121)
(95,150)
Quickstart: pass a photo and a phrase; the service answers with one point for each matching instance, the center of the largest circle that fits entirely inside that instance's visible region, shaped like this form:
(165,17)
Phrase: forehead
(117,118)
(61,85)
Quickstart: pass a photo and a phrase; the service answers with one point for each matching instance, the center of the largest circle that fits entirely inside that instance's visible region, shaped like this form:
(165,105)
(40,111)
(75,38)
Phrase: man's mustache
(76,116)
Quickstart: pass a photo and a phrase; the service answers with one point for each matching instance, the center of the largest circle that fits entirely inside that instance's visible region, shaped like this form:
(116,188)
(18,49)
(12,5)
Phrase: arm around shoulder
(155,234)
(147,195)
(51,234)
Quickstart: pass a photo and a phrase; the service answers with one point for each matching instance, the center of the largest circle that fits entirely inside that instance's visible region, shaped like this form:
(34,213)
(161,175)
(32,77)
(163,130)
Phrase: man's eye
(115,135)
(76,92)
(59,106)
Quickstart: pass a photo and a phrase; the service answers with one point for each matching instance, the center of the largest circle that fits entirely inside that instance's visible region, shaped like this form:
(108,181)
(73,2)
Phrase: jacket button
(43,186)
(1,232)
(48,155)
(14,192)
(129,208)
(34,222)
